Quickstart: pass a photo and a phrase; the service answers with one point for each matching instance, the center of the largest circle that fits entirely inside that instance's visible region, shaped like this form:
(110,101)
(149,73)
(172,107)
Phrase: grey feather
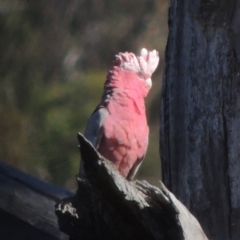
(94,132)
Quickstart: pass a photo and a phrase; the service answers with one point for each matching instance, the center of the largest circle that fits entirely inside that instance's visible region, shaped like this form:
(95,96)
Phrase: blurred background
(54,58)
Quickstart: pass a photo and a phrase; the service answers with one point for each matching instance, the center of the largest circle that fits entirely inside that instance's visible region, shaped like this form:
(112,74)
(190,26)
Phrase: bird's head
(143,65)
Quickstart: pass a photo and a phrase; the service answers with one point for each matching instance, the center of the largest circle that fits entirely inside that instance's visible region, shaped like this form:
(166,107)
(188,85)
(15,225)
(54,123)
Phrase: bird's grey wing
(94,131)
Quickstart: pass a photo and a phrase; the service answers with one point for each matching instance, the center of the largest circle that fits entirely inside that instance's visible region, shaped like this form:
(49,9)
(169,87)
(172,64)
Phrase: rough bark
(107,206)
(200,112)
(27,206)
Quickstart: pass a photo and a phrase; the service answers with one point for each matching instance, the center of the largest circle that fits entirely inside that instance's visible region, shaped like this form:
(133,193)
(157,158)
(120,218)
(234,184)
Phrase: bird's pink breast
(125,132)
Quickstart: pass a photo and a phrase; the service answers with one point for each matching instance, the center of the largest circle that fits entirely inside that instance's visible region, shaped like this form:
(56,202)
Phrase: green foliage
(45,136)
(64,113)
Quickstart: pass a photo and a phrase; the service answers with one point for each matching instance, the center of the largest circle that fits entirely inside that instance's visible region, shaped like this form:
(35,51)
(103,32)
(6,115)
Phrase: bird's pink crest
(144,64)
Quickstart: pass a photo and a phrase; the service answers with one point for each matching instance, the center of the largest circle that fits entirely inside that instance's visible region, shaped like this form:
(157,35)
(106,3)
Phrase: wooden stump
(107,206)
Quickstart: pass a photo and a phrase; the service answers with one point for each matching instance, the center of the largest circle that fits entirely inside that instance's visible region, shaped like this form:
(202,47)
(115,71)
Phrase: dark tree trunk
(200,112)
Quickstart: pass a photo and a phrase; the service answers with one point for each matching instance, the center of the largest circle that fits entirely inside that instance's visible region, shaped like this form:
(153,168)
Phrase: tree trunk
(200,112)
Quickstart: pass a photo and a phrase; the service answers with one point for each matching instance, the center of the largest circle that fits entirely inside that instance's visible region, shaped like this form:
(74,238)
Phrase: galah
(118,127)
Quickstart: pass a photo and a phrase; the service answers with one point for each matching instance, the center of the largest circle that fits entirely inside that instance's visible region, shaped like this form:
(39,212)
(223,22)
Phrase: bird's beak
(149,83)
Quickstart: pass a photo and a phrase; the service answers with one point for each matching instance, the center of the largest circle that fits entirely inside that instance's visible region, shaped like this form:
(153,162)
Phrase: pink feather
(118,127)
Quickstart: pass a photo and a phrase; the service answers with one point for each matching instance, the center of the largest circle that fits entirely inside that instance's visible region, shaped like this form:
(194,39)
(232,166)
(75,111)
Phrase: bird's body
(118,127)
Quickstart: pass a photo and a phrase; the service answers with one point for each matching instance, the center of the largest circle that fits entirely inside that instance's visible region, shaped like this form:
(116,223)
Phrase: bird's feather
(118,127)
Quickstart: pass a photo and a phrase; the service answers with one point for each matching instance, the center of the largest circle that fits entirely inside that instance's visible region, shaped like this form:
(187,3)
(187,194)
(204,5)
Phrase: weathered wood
(107,206)
(27,206)
(13,228)
(200,112)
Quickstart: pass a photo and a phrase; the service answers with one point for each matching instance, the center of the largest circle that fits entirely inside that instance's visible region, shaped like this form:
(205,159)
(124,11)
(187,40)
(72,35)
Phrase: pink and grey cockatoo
(118,127)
